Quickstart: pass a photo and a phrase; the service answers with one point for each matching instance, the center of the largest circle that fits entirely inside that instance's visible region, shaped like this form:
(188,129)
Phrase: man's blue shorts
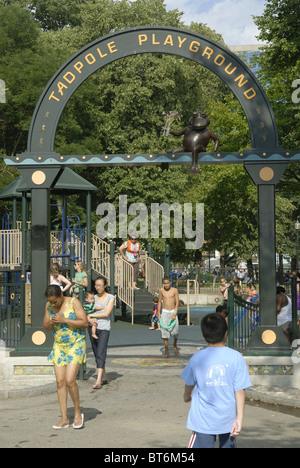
(209,441)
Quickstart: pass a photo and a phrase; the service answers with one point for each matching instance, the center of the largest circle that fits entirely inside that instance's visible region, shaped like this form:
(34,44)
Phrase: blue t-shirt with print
(217,373)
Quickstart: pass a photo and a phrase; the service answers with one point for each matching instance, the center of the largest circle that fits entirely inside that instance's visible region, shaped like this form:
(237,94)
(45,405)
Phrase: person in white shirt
(284,313)
(57,279)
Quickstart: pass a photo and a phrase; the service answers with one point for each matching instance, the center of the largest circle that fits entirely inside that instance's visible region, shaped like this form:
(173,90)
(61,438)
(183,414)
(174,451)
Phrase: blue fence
(246,320)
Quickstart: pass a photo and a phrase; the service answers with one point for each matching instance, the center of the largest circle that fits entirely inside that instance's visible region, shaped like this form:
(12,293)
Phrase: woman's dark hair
(213,328)
(104,281)
(53,290)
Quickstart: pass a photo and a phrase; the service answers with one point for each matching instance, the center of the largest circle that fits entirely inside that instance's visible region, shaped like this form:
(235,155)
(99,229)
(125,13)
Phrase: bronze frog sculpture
(196,138)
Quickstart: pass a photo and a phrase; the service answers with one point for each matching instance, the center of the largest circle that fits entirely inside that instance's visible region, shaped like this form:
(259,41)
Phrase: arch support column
(268,338)
(35,340)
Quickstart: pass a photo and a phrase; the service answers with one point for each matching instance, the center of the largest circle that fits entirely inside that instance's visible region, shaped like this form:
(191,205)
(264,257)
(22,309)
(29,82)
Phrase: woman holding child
(104,303)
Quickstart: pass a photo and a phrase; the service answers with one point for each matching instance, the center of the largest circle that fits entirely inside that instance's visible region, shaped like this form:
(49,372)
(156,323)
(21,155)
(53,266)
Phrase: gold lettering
(169,40)
(78,66)
(196,47)
(208,51)
(181,41)
(241,83)
(142,38)
(153,40)
(53,97)
(218,62)
(100,53)
(60,87)
(87,59)
(231,71)
(112,47)
(251,96)
(67,79)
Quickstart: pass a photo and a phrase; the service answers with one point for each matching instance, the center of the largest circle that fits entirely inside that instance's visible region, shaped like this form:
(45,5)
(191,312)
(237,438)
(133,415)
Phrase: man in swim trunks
(169,297)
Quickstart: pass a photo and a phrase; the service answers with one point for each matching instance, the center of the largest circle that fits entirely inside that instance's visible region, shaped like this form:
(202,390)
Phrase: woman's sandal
(61,426)
(97,387)
(80,425)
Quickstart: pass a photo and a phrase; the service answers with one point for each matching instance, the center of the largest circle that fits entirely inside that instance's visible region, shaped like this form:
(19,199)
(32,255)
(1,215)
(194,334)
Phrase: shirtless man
(224,286)
(170,299)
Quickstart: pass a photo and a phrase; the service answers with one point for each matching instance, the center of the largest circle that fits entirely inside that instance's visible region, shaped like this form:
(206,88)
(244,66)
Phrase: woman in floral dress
(66,317)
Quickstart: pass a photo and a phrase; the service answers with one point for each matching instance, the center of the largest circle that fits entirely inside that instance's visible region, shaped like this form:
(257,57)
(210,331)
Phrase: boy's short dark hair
(166,278)
(89,293)
(213,328)
(155,300)
(221,308)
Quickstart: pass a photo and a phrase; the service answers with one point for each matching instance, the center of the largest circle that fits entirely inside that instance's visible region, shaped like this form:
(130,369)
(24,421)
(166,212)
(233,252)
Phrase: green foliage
(280,65)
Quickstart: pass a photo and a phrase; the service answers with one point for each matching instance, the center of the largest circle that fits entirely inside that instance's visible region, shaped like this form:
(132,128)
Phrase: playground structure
(265,161)
(67,244)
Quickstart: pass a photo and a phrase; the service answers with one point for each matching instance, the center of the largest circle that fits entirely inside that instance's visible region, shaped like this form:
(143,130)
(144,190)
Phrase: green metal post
(89,237)
(40,252)
(14,221)
(40,255)
(295,328)
(230,310)
(167,260)
(23,265)
(82,369)
(72,261)
(268,338)
(36,342)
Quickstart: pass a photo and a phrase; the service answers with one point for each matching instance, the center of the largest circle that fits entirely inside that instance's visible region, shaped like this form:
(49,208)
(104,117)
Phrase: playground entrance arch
(192,46)
(265,161)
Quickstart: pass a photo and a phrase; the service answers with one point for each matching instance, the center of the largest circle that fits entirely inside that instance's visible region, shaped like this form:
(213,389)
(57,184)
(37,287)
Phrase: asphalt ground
(141,407)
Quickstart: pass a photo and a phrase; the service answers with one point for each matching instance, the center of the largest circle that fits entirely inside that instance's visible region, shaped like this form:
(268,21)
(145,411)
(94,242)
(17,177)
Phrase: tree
(279,26)
(25,67)
(119,110)
(280,65)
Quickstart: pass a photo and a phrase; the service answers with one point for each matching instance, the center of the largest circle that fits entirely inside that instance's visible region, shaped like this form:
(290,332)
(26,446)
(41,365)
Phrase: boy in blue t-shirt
(217,377)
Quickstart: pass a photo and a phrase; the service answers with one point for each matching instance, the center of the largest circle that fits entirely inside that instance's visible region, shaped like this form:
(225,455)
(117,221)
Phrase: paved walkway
(142,406)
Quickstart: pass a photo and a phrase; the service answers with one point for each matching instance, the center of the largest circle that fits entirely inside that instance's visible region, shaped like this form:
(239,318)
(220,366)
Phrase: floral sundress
(69,343)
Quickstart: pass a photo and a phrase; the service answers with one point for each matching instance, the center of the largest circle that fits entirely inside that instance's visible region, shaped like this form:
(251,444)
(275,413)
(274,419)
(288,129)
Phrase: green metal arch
(152,39)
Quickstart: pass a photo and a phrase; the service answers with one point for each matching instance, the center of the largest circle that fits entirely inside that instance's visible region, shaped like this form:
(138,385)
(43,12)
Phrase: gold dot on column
(38,177)
(266,174)
(268,337)
(38,338)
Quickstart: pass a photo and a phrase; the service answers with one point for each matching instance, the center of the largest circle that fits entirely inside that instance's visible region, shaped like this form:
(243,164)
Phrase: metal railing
(196,292)
(60,242)
(124,282)
(243,319)
(100,259)
(10,314)
(10,248)
(154,273)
